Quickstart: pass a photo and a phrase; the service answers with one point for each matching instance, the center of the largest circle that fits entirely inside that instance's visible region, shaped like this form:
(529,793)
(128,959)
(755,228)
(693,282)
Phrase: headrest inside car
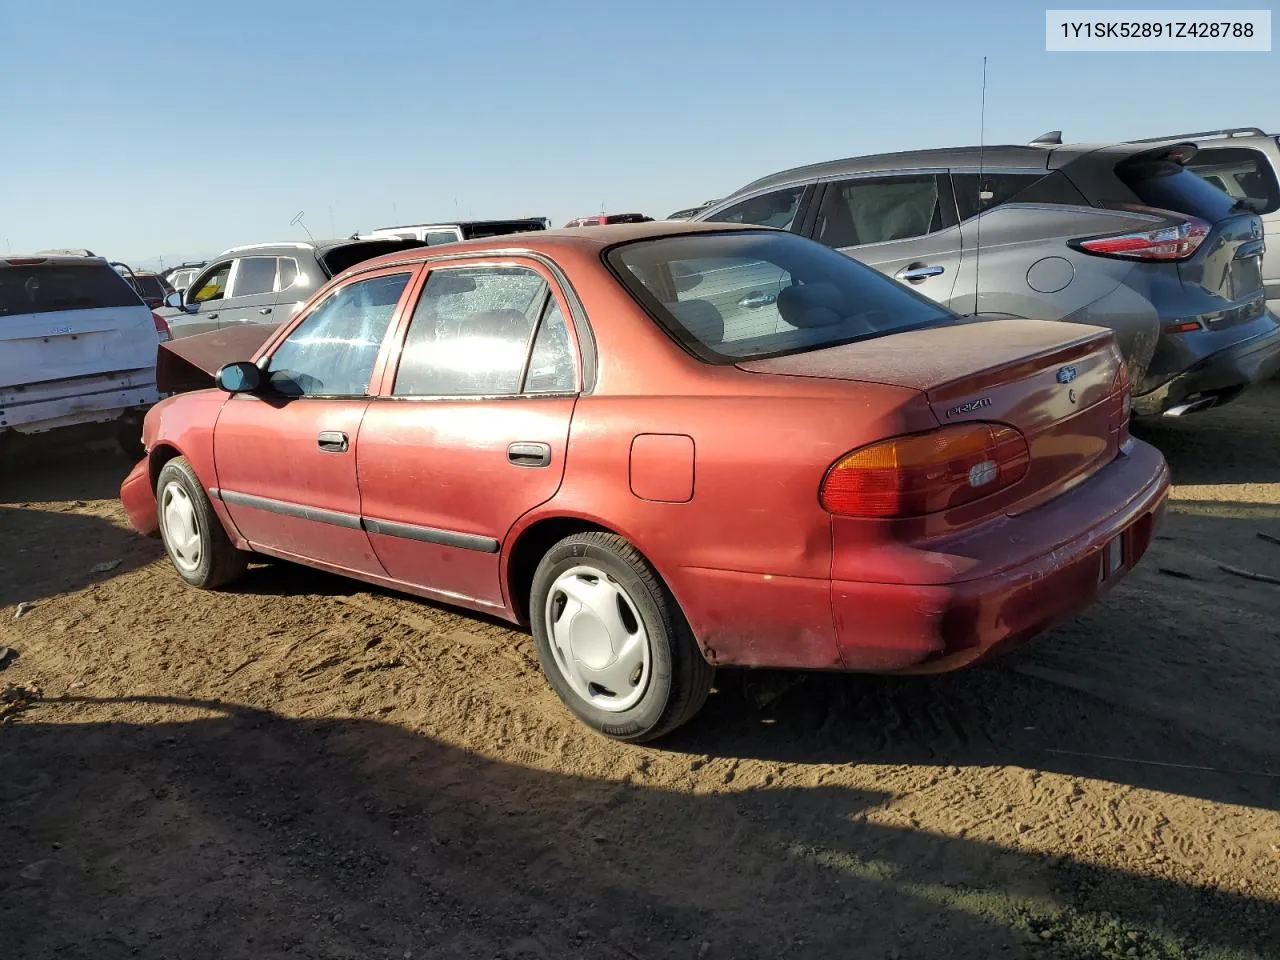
(812,305)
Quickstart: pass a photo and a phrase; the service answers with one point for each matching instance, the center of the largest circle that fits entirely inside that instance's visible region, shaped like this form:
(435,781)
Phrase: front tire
(193,536)
(612,640)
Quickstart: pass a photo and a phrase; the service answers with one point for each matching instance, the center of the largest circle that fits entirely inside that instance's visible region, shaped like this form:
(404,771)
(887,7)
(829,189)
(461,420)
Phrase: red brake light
(162,326)
(1172,241)
(26,261)
(926,472)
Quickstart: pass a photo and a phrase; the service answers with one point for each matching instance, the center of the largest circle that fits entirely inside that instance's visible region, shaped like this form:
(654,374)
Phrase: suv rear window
(52,286)
(730,296)
(1241,172)
(1170,186)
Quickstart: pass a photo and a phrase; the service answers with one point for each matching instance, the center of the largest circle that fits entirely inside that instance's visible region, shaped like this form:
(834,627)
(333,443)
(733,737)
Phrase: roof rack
(1205,134)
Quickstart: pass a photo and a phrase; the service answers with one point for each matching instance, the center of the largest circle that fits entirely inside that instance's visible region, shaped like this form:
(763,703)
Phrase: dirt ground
(302,767)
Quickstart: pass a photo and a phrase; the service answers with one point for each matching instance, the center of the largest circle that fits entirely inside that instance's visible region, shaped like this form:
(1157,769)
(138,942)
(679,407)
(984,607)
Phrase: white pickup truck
(77,346)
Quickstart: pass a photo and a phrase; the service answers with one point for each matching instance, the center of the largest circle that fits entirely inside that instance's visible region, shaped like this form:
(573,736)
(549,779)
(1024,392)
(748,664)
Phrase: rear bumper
(139,500)
(1222,374)
(38,408)
(905,628)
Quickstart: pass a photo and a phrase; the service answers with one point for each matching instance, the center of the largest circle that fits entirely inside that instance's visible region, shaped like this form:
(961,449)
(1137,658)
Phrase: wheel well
(156,460)
(529,551)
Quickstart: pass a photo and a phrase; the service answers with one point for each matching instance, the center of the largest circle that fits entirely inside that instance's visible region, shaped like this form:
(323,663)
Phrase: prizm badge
(968,407)
(1067,374)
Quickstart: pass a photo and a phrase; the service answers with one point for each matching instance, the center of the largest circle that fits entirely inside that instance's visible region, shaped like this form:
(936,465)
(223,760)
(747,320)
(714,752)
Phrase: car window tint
(60,285)
(437,237)
(211,286)
(286,272)
(255,275)
(879,209)
(470,332)
(974,192)
(551,363)
(331,353)
(756,294)
(1170,186)
(1240,172)
(777,209)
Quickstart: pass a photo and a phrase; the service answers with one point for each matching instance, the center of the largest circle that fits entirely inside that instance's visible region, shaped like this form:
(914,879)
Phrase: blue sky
(178,130)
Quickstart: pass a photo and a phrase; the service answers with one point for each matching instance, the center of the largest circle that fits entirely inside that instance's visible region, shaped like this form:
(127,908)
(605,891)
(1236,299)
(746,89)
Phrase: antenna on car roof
(982,139)
(1052,138)
(297,221)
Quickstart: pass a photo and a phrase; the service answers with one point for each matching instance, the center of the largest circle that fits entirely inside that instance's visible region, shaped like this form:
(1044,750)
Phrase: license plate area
(1112,559)
(1246,277)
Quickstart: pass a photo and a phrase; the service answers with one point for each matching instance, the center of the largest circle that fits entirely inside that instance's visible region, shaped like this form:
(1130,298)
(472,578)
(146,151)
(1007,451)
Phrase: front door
(286,456)
(473,429)
(903,225)
(202,303)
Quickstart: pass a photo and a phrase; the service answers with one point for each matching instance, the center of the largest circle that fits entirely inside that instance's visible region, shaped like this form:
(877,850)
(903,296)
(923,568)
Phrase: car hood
(189,363)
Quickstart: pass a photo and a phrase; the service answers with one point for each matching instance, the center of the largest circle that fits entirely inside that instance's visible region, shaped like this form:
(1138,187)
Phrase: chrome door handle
(211,316)
(917,273)
(529,454)
(757,299)
(264,311)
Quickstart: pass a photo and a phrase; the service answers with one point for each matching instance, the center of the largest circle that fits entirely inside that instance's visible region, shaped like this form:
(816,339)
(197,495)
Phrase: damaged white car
(77,347)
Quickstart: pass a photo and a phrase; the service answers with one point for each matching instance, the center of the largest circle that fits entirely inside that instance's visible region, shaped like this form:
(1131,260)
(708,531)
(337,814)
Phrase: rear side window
(1241,173)
(730,296)
(49,287)
(1170,186)
(880,209)
(974,193)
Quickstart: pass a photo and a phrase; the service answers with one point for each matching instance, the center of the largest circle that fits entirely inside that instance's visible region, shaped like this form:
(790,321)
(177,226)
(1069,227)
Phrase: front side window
(1241,173)
(211,285)
(331,353)
(777,209)
(255,275)
(880,209)
(470,332)
(730,296)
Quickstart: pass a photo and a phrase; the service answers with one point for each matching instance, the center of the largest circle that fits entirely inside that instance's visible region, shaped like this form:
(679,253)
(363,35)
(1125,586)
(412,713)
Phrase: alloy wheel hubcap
(599,643)
(181,529)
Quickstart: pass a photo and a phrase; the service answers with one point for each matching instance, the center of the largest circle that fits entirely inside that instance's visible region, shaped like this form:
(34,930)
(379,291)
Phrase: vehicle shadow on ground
(62,550)
(41,470)
(239,833)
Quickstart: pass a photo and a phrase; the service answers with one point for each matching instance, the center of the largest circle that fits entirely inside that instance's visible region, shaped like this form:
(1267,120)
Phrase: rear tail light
(1121,403)
(1183,326)
(1169,241)
(162,327)
(926,472)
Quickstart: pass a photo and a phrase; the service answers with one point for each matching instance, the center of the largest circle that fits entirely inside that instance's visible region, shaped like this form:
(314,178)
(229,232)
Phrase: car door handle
(529,454)
(211,316)
(264,311)
(919,271)
(332,441)
(757,299)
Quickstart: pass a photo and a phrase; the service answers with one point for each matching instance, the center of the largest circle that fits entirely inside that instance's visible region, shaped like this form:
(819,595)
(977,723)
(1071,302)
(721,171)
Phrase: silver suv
(1119,235)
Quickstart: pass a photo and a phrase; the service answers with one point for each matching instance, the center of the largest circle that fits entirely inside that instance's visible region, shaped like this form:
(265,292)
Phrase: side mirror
(174,300)
(241,377)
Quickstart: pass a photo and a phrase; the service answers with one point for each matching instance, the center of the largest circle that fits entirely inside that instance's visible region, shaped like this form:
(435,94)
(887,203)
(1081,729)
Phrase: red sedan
(666,447)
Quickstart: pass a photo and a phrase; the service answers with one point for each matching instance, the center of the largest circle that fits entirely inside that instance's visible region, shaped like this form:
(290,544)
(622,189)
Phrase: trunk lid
(1052,381)
(69,317)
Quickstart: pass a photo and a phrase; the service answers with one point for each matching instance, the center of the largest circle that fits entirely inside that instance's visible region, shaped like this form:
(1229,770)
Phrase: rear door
(286,456)
(903,224)
(251,291)
(69,318)
(472,430)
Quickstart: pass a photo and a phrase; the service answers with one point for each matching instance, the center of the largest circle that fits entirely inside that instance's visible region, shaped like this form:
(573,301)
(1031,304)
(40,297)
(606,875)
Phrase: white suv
(77,346)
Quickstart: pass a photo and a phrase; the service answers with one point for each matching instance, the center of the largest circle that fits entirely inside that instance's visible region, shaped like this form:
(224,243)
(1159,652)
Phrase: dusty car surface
(606,435)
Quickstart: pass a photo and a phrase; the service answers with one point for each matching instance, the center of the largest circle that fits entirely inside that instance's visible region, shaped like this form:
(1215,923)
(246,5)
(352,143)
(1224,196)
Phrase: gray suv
(264,282)
(1118,235)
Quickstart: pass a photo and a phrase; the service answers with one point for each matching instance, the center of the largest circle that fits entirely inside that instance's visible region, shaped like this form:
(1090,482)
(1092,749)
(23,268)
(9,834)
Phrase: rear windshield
(151,286)
(339,258)
(729,296)
(1172,187)
(47,287)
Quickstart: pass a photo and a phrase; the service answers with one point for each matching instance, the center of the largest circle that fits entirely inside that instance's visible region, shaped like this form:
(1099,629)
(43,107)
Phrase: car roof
(14,259)
(461,223)
(548,242)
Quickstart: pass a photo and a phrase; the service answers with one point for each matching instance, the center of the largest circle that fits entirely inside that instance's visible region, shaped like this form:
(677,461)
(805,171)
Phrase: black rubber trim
(448,538)
(302,512)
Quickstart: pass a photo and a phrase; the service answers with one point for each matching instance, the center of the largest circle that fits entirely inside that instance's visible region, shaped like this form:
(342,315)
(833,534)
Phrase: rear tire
(612,640)
(193,536)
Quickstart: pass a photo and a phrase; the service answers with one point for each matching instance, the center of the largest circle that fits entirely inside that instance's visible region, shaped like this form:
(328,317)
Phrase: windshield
(728,296)
(48,287)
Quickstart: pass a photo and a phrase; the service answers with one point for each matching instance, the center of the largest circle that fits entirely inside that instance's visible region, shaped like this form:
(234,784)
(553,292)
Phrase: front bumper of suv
(1215,379)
